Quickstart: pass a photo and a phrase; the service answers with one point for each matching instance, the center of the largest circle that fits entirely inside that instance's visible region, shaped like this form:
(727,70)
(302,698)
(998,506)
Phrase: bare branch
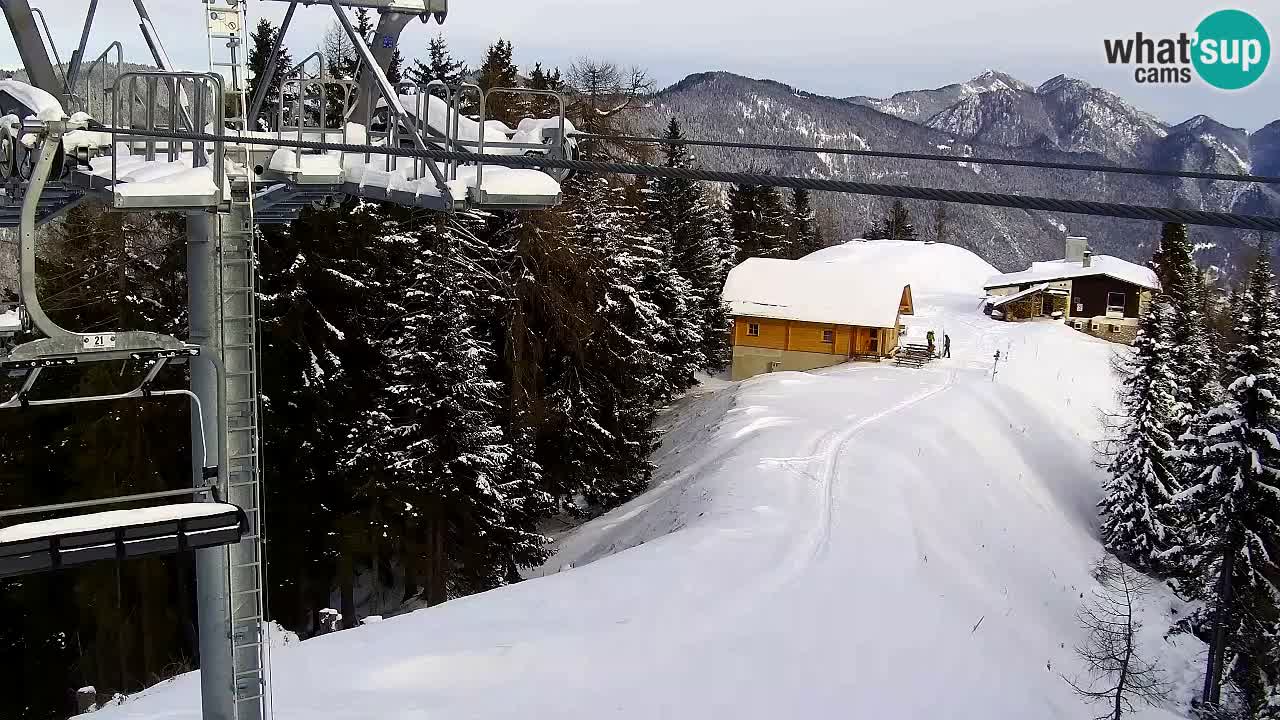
(1119,675)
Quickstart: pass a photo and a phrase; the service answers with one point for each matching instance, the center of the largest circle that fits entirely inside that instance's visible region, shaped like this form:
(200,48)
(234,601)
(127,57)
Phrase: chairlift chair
(45,545)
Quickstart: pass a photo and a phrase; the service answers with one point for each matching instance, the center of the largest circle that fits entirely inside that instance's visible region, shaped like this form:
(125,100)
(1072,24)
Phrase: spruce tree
(1192,361)
(1233,507)
(805,238)
(395,68)
(350,63)
(541,79)
(680,217)
(1139,524)
(499,70)
(262,40)
(440,65)
(941,223)
(896,225)
(759,221)
(601,292)
(437,458)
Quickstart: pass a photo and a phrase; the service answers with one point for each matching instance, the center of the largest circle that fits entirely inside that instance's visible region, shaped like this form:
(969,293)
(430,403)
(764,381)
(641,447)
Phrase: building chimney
(1076,248)
(1087,259)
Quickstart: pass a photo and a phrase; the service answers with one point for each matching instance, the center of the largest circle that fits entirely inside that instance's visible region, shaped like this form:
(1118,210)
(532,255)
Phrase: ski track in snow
(830,476)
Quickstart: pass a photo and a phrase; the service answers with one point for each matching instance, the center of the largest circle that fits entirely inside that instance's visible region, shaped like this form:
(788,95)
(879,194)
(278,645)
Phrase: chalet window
(753,329)
(828,336)
(1115,328)
(1115,304)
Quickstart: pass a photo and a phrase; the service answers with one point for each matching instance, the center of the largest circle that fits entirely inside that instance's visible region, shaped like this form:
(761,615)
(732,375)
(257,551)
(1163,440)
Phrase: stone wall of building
(1122,331)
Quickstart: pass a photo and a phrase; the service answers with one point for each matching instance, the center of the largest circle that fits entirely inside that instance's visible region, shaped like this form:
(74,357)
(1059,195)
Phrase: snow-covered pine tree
(679,216)
(1139,524)
(759,220)
(440,65)
(606,371)
(1191,359)
(327,283)
(439,464)
(805,238)
(1233,507)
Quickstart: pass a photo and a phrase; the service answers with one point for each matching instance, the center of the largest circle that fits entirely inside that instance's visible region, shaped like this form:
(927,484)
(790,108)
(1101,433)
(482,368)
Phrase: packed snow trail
(863,541)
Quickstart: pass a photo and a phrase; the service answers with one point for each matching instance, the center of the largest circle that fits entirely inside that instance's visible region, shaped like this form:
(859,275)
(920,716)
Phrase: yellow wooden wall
(807,337)
(773,333)
(793,335)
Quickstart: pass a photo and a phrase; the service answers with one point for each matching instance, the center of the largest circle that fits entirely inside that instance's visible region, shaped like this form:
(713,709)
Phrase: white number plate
(99,341)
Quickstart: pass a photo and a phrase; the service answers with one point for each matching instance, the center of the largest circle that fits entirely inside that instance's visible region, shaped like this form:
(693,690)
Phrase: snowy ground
(865,541)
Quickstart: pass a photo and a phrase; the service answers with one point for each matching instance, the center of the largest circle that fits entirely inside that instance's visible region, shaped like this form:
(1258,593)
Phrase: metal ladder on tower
(238,351)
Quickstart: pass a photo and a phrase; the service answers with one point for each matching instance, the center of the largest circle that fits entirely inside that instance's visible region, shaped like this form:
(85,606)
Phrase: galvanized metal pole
(260,94)
(217,684)
(77,57)
(385,41)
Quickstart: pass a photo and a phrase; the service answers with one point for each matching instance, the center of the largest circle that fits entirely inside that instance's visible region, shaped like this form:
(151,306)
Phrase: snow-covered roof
(832,292)
(1054,270)
(1019,295)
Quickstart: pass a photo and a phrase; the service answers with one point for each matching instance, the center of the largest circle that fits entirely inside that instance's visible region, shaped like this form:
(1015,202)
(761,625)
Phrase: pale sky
(832,47)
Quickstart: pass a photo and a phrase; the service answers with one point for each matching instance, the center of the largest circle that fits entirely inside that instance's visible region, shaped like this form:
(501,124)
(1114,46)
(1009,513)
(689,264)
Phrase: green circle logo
(1231,50)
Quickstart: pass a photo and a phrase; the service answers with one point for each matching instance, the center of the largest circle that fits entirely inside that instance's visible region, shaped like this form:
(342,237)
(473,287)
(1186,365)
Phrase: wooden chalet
(803,315)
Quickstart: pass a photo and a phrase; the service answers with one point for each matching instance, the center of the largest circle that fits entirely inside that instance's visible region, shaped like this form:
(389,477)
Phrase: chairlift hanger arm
(53,47)
(160,55)
(81,504)
(386,39)
(26,37)
(77,57)
(268,74)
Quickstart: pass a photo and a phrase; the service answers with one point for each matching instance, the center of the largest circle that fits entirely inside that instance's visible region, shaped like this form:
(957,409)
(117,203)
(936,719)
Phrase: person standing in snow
(946,346)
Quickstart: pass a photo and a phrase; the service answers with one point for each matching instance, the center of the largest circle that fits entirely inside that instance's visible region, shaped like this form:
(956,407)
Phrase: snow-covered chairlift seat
(45,545)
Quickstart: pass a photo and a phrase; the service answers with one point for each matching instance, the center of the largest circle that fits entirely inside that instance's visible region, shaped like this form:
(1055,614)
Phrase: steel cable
(967,197)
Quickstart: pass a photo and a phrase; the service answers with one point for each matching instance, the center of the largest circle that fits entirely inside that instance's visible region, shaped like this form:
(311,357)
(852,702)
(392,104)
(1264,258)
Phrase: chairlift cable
(1119,169)
(966,197)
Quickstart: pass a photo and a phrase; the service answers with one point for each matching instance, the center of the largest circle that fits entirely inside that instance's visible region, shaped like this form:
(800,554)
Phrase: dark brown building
(1100,295)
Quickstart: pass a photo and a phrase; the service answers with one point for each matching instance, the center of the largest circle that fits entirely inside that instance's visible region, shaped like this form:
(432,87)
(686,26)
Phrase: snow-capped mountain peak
(990,80)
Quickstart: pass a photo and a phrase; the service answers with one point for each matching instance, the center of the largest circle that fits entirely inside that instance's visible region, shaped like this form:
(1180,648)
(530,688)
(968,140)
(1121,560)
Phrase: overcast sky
(833,47)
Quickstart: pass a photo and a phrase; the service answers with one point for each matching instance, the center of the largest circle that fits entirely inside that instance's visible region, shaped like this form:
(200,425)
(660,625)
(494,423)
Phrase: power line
(1265,179)
(964,197)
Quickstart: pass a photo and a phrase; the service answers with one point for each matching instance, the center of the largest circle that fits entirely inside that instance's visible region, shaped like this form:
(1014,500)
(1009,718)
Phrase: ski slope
(861,542)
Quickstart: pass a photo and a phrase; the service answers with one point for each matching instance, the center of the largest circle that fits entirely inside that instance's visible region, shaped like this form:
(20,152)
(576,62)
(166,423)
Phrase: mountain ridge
(1064,119)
